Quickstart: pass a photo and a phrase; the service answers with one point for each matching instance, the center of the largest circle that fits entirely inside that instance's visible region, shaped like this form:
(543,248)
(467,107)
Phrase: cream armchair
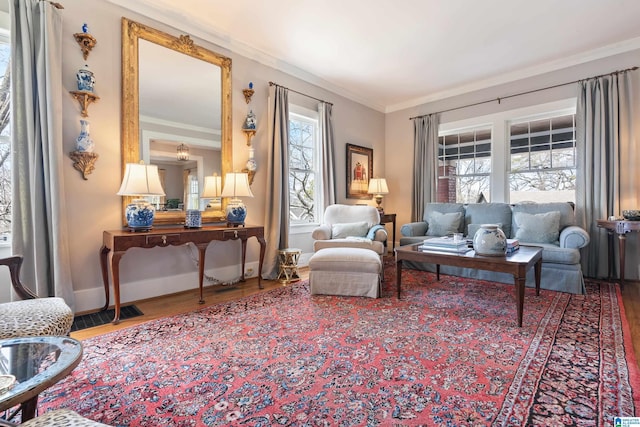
(350,226)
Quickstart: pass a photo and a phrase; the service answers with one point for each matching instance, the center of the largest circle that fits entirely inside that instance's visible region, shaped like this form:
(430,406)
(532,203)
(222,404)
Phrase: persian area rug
(448,353)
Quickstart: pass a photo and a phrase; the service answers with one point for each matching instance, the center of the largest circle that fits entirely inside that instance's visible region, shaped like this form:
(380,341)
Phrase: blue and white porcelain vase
(490,240)
(252,165)
(193,219)
(250,122)
(236,212)
(85,79)
(84,143)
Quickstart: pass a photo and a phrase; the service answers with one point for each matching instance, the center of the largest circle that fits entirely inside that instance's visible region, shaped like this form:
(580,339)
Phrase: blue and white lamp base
(236,213)
(140,214)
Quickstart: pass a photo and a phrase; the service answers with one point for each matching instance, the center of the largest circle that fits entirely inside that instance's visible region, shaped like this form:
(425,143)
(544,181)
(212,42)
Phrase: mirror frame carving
(132,32)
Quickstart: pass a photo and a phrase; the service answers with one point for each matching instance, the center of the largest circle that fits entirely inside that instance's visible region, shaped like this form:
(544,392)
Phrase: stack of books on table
(512,246)
(445,244)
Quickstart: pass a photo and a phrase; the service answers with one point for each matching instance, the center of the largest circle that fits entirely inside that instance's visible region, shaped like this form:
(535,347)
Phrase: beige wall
(399,129)
(93,205)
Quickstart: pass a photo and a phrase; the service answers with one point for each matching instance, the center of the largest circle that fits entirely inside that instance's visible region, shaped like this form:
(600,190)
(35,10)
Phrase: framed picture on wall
(359,171)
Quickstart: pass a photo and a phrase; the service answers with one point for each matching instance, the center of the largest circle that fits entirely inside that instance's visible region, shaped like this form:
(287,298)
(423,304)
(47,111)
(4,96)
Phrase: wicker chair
(32,316)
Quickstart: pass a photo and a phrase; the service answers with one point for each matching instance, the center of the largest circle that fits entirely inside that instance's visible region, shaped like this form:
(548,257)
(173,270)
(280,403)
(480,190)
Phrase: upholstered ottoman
(345,271)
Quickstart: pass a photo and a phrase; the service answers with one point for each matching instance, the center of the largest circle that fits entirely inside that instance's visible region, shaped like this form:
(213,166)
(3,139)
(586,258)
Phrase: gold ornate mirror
(175,93)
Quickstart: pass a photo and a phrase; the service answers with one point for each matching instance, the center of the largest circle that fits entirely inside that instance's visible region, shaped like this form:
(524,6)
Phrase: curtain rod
(499,99)
(300,93)
(54,4)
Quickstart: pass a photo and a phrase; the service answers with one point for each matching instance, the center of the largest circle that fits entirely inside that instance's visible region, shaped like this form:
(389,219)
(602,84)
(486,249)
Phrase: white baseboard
(93,299)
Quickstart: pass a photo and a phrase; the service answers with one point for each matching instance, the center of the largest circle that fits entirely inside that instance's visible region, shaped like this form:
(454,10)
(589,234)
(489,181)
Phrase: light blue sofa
(548,225)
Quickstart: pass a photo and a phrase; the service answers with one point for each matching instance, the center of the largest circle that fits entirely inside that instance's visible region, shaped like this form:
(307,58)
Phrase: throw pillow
(538,228)
(349,229)
(443,224)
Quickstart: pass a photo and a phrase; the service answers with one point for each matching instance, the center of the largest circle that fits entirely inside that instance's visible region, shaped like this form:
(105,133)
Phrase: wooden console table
(116,242)
(621,228)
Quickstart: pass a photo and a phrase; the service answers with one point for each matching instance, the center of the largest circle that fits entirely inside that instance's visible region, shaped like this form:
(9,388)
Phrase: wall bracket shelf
(84,162)
(84,98)
(250,134)
(86,42)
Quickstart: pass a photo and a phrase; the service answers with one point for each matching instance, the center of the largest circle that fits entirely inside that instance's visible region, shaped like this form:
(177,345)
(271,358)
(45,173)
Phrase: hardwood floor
(182,302)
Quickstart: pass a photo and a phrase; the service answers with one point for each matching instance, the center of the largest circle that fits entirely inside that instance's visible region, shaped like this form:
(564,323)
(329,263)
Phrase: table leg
(622,240)
(115,274)
(393,243)
(244,257)
(538,274)
(263,245)
(104,256)
(202,249)
(398,275)
(610,253)
(520,282)
(438,272)
(28,408)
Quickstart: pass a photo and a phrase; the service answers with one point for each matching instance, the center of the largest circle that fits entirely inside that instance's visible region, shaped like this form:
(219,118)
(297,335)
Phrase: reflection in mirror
(174,93)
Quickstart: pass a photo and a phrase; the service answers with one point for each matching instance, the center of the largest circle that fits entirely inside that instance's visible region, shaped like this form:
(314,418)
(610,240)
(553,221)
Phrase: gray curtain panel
(276,218)
(39,218)
(607,168)
(425,163)
(328,159)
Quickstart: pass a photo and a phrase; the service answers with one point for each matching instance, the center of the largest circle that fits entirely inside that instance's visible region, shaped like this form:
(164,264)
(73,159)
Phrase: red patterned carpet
(449,353)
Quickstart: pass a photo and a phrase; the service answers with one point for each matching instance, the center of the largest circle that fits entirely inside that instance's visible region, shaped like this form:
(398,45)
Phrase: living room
(389,135)
(92,205)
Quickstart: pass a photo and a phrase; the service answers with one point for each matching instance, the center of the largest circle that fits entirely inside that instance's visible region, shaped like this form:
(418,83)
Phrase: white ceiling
(395,54)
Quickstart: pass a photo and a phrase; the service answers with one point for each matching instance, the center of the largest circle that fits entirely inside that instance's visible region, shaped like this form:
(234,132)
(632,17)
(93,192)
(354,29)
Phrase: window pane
(5,144)
(543,160)
(303,164)
(464,171)
(301,196)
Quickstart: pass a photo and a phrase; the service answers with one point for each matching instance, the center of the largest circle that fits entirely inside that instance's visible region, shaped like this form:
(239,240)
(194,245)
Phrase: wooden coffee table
(516,264)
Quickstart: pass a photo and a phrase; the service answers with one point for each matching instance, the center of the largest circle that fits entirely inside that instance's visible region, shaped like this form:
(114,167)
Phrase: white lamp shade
(212,187)
(141,180)
(378,186)
(236,184)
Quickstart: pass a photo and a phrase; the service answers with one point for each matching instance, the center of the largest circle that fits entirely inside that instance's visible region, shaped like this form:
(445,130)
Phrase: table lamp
(212,188)
(378,186)
(236,184)
(140,180)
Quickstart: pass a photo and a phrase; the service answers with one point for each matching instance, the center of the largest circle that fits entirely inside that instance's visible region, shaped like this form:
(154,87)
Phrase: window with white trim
(464,165)
(304,166)
(528,154)
(5,137)
(543,159)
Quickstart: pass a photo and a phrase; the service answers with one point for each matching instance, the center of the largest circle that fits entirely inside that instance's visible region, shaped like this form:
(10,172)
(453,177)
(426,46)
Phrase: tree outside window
(5,141)
(303,167)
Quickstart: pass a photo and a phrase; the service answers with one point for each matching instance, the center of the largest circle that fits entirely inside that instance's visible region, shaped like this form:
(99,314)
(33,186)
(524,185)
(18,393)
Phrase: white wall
(93,205)
(399,129)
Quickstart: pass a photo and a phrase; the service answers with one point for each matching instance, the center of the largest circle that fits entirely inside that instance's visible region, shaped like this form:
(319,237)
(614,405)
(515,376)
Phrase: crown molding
(182,23)
(570,61)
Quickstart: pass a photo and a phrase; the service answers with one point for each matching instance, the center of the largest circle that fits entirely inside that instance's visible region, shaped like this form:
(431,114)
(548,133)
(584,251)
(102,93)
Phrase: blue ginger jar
(490,240)
(84,143)
(85,79)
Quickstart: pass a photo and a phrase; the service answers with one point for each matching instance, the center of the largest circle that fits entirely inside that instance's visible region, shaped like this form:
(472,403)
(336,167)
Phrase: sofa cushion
(442,224)
(349,229)
(537,228)
(488,213)
(567,214)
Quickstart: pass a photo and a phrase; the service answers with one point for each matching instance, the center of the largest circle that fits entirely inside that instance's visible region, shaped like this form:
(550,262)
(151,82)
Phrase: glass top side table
(37,363)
